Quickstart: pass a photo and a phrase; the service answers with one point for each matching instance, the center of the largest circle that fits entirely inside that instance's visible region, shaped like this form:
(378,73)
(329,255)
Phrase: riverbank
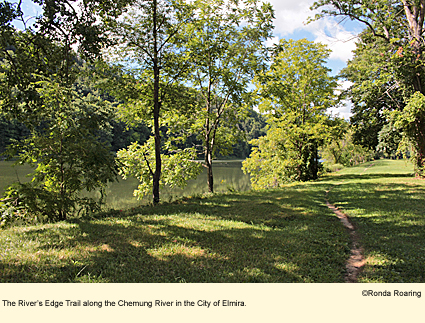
(281,235)
(228,176)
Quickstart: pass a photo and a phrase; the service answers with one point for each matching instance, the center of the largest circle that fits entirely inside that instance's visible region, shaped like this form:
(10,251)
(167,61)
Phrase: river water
(119,195)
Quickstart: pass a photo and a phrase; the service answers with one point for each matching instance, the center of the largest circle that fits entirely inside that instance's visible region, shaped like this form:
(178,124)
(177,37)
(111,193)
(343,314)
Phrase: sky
(290,23)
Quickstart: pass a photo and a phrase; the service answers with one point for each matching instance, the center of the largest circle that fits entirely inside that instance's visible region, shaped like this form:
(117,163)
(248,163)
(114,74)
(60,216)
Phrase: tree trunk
(210,178)
(209,144)
(62,190)
(315,162)
(157,173)
(415,17)
(420,138)
(157,105)
(300,157)
(415,14)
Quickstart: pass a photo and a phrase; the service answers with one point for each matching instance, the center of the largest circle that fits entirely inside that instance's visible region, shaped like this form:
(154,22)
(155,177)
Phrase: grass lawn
(387,206)
(282,235)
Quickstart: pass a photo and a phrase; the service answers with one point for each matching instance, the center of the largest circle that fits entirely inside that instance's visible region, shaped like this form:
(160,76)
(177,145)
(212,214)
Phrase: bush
(333,168)
(31,203)
(11,212)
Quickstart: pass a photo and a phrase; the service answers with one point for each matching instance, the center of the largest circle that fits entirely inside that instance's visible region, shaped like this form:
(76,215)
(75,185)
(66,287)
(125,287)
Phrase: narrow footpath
(356,261)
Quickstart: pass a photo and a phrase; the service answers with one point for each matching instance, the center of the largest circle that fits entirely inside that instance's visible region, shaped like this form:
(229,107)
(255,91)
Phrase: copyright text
(396,293)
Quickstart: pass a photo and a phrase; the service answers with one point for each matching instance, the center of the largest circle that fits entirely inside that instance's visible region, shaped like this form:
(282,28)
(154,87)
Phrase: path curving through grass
(385,204)
(356,261)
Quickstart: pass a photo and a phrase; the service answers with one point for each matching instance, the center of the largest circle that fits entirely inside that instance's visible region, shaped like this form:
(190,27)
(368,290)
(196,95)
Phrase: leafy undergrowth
(387,206)
(270,236)
(282,235)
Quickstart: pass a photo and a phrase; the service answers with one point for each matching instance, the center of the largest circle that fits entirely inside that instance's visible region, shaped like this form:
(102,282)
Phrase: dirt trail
(356,261)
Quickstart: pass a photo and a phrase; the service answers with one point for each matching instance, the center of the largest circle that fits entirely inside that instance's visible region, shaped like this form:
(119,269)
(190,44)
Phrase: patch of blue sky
(30,10)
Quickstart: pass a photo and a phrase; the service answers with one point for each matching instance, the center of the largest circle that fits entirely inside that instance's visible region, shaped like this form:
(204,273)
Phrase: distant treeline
(120,135)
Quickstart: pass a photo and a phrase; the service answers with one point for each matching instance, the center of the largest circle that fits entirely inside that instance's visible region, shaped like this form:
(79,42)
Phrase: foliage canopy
(295,94)
(394,34)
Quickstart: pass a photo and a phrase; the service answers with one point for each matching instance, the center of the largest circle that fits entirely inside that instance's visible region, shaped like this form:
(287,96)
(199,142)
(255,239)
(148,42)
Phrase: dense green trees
(294,93)
(373,89)
(339,148)
(66,153)
(10,130)
(395,77)
(39,87)
(411,120)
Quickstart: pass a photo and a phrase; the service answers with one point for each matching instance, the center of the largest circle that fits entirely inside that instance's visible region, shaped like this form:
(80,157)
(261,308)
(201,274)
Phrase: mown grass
(387,206)
(271,236)
(282,235)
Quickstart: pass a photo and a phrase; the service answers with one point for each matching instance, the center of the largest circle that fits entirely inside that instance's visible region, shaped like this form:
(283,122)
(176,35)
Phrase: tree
(400,25)
(389,141)
(39,73)
(373,90)
(147,37)
(340,149)
(67,154)
(337,144)
(295,94)
(224,46)
(63,143)
(409,120)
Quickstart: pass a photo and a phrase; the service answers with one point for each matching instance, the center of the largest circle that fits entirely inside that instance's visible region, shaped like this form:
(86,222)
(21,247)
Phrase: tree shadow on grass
(395,198)
(232,238)
(390,218)
(181,255)
(272,208)
(367,176)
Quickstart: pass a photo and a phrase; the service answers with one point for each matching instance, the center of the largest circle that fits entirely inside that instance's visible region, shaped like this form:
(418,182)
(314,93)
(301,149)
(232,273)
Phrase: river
(119,195)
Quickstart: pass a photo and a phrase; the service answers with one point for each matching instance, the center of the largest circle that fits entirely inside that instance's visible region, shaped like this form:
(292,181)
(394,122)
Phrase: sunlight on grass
(277,235)
(166,251)
(235,238)
(386,204)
